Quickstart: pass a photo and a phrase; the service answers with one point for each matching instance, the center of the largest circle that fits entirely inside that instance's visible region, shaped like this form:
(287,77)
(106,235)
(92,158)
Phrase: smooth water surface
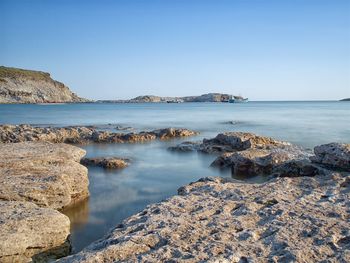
(155,172)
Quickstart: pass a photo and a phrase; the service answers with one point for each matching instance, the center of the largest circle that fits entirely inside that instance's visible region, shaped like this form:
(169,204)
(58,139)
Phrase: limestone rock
(253,162)
(301,219)
(238,141)
(107,162)
(335,155)
(76,134)
(44,173)
(186,147)
(30,233)
(28,86)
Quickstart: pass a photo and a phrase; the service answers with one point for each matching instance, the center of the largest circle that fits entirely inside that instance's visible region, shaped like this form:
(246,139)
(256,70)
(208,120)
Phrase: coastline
(202,209)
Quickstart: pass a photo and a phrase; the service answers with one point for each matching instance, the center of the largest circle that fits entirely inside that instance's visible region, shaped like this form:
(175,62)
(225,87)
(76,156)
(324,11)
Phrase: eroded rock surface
(231,142)
(44,173)
(21,133)
(333,154)
(106,162)
(303,219)
(30,233)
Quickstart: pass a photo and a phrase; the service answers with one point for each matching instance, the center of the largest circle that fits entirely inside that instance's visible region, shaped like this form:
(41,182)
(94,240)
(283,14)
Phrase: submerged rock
(75,134)
(29,233)
(302,219)
(335,155)
(186,147)
(44,173)
(107,162)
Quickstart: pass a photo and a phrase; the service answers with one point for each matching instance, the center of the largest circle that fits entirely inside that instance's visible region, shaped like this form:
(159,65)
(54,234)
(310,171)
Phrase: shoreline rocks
(30,233)
(333,155)
(46,174)
(301,216)
(36,179)
(106,162)
(84,134)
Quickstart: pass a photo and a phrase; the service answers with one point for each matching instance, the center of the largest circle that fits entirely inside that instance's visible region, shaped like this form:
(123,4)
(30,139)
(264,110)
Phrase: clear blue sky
(265,50)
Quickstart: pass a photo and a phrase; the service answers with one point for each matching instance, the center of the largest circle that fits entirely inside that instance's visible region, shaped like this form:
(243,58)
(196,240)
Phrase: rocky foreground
(29,86)
(301,215)
(84,134)
(36,180)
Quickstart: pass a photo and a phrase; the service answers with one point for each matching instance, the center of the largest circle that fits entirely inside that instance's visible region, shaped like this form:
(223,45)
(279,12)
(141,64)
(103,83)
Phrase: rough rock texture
(303,219)
(231,142)
(106,162)
(21,133)
(253,162)
(44,173)
(30,233)
(27,86)
(333,154)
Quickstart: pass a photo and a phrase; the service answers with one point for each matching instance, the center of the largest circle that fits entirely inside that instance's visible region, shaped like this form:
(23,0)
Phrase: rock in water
(335,155)
(29,233)
(76,134)
(44,173)
(28,86)
(106,162)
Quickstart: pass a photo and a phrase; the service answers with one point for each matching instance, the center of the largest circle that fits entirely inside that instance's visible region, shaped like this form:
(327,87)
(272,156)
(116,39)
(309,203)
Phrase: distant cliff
(28,86)
(348,99)
(210,97)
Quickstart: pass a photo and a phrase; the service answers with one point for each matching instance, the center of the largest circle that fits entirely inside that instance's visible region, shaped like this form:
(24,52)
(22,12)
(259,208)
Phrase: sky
(261,49)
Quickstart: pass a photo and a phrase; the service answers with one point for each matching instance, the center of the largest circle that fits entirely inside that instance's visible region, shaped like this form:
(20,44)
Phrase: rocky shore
(301,215)
(29,86)
(36,180)
(84,134)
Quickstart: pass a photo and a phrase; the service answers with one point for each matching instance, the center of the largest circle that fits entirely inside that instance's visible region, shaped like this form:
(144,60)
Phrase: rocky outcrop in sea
(29,86)
(84,134)
(300,215)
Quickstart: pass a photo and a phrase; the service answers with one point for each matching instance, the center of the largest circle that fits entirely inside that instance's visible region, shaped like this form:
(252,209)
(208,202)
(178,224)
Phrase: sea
(155,173)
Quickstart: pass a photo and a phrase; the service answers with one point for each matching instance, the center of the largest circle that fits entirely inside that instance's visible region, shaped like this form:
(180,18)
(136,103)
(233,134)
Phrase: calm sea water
(155,172)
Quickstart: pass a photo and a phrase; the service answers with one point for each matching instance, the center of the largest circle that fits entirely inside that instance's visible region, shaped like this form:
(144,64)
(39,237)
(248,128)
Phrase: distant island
(348,99)
(210,97)
(32,87)
(29,86)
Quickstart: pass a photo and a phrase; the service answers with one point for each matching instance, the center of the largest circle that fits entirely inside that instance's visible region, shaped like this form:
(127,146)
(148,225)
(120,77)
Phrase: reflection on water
(156,173)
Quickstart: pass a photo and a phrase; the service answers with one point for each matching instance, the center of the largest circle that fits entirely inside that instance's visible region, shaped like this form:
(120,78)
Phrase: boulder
(336,155)
(29,233)
(106,162)
(46,174)
(186,147)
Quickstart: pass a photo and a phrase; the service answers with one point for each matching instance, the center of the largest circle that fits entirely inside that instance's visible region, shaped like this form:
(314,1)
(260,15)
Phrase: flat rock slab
(304,219)
(30,233)
(44,173)
(106,162)
(84,134)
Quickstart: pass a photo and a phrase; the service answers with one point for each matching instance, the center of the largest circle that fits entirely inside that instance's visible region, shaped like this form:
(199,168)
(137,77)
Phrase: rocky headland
(84,134)
(347,99)
(36,180)
(29,86)
(210,97)
(302,214)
